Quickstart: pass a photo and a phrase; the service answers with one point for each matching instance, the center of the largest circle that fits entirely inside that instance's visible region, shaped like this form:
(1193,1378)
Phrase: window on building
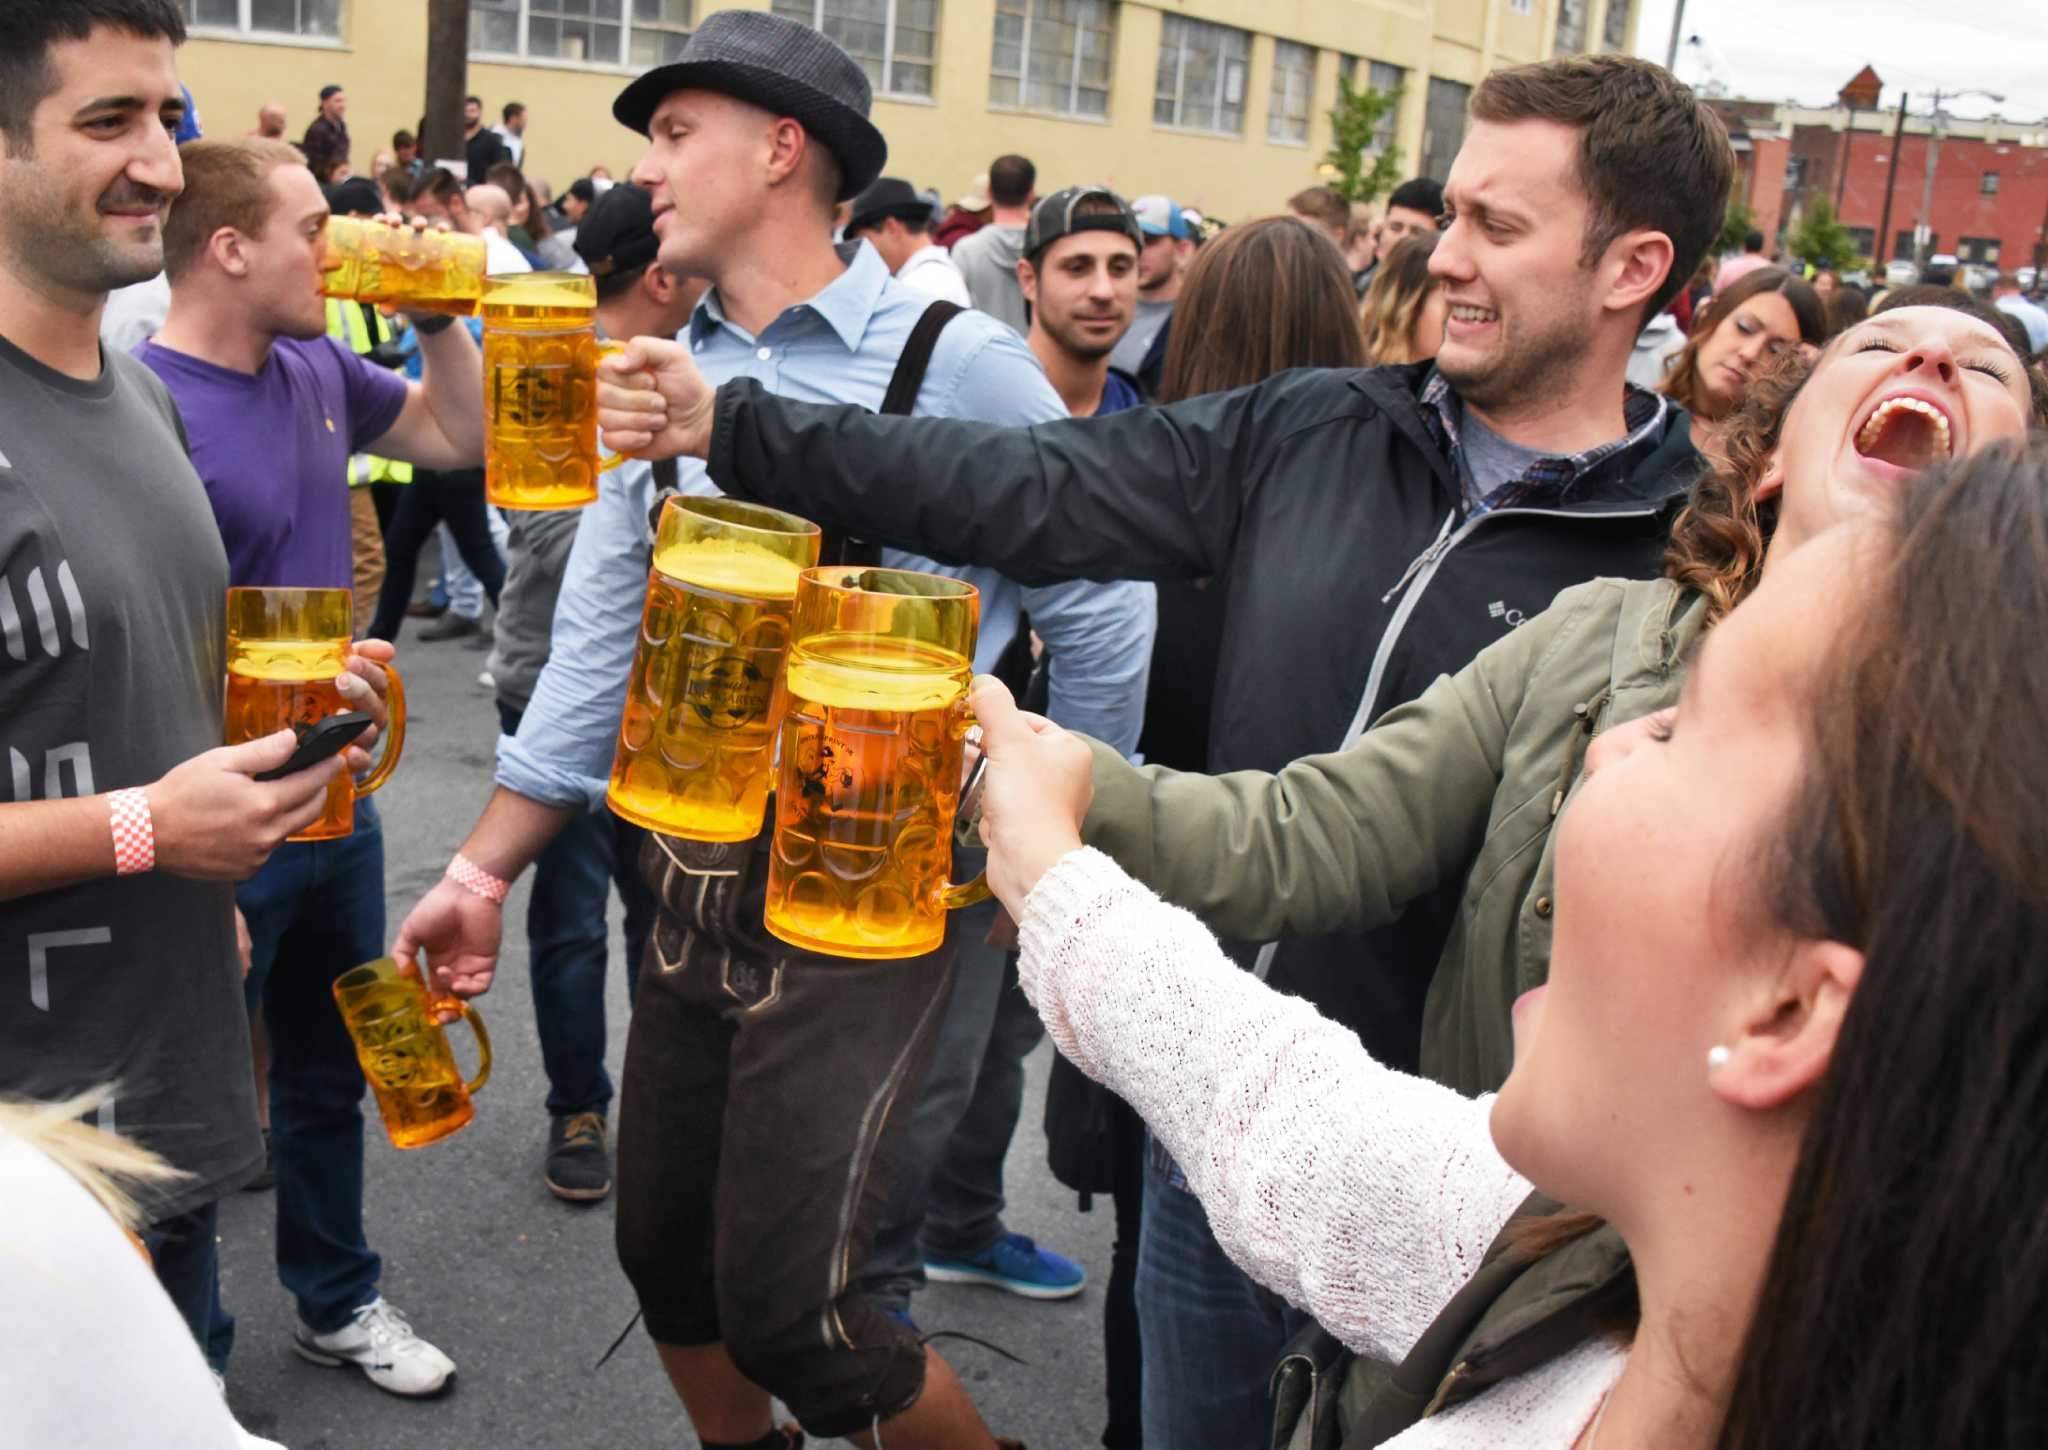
(894,40)
(1614,32)
(1864,239)
(638,34)
(1052,55)
(1902,245)
(1443,126)
(1294,84)
(1571,26)
(1987,185)
(1795,173)
(1522,7)
(319,18)
(1378,76)
(1981,250)
(1202,70)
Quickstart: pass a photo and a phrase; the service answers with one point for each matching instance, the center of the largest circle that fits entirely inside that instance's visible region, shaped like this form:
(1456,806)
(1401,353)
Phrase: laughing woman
(1790,1050)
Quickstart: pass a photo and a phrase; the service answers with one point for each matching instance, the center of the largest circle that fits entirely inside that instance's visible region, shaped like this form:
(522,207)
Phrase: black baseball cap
(1059,216)
(617,233)
(888,197)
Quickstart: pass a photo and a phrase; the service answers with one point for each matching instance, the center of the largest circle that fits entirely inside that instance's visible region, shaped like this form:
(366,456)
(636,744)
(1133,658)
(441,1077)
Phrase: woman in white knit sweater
(1810,817)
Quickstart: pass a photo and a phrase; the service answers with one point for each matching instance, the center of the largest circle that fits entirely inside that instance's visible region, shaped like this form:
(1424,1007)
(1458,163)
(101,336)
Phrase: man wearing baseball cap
(766,1090)
(566,932)
(1080,277)
(1168,244)
(897,221)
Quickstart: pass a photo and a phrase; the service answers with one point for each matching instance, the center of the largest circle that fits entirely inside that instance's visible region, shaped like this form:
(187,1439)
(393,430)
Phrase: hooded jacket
(1322,502)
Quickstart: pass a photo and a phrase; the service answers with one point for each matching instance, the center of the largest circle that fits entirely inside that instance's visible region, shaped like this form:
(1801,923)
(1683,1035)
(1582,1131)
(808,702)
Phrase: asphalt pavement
(521,1289)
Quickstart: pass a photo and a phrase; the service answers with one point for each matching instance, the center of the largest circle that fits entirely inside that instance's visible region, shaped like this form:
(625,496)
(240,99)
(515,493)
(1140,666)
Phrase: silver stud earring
(1718,1057)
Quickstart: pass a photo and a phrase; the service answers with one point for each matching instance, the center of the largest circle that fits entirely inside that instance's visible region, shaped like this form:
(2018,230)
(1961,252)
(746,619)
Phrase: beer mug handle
(605,348)
(394,736)
(965,893)
(476,1026)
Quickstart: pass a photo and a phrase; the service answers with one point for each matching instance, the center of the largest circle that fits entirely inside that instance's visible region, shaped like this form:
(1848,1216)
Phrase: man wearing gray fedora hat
(766,1091)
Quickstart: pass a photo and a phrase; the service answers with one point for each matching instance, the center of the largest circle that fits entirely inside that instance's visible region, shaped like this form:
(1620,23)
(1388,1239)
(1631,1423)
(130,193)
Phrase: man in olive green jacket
(1464,781)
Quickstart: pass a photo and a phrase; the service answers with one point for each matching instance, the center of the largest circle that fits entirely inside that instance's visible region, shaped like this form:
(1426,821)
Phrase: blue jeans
(1211,1336)
(186,1256)
(315,910)
(566,941)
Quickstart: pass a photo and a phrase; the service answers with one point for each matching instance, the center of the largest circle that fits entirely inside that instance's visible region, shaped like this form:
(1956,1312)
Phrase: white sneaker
(378,1341)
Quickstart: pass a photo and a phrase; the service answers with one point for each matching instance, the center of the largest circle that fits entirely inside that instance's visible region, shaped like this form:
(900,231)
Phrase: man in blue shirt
(766,1090)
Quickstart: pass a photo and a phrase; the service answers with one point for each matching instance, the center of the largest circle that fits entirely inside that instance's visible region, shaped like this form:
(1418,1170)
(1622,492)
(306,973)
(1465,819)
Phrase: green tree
(1362,175)
(1820,239)
(1735,227)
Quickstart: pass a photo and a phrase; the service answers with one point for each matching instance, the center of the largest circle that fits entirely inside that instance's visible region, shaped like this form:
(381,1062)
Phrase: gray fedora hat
(781,66)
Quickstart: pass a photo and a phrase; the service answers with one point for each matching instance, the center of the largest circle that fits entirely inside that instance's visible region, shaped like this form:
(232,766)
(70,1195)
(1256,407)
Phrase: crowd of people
(1510,771)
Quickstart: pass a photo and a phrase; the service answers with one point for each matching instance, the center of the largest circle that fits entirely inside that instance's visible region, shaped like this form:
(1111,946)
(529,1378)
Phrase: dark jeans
(1122,1343)
(456,499)
(948,1198)
(315,910)
(1211,1335)
(566,940)
(186,1252)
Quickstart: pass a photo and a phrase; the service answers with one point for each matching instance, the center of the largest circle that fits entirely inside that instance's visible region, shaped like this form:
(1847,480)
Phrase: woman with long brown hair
(1403,310)
(1764,316)
(1837,805)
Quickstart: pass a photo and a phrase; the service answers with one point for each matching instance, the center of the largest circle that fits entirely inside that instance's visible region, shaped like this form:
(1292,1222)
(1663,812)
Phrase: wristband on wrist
(467,874)
(428,326)
(134,831)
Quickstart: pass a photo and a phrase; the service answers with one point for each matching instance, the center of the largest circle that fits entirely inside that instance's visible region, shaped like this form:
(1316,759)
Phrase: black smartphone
(316,742)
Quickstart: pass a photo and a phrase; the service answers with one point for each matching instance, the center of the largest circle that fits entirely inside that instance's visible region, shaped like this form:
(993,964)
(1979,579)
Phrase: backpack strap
(916,359)
(904,384)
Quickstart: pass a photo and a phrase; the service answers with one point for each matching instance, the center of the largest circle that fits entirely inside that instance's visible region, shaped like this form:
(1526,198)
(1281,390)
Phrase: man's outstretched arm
(1153,493)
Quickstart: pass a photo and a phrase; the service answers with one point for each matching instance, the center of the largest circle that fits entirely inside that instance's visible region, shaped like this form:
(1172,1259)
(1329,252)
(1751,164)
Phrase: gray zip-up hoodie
(988,260)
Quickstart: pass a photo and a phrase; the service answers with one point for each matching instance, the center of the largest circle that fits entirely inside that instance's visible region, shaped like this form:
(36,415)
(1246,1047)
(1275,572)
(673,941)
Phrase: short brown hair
(227,184)
(1324,207)
(1264,297)
(1651,154)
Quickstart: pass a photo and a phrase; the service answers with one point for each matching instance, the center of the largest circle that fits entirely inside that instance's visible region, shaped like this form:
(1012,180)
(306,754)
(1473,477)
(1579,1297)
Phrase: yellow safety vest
(346,323)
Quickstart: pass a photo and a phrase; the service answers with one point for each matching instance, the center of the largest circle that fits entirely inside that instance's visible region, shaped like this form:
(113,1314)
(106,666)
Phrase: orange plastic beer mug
(540,390)
(285,648)
(697,739)
(869,778)
(402,266)
(390,1016)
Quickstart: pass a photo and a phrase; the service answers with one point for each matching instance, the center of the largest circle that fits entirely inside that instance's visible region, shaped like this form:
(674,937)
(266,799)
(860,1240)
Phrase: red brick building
(1990,185)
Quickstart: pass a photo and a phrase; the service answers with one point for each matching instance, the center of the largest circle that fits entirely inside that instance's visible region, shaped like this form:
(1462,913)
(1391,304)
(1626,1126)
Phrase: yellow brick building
(1223,104)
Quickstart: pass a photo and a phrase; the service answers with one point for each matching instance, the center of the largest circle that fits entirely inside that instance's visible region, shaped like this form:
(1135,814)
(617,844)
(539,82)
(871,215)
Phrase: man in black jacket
(1374,530)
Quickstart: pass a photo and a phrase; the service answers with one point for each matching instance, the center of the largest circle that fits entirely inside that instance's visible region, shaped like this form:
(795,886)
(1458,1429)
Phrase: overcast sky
(1804,50)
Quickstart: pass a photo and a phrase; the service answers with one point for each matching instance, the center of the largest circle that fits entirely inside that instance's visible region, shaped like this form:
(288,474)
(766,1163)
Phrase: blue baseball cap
(1159,217)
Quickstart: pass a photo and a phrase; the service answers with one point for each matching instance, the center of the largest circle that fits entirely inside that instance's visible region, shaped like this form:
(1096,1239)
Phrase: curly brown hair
(1719,538)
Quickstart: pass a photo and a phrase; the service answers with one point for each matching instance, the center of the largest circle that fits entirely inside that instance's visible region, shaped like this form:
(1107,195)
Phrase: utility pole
(1677,28)
(1891,180)
(1923,232)
(447,80)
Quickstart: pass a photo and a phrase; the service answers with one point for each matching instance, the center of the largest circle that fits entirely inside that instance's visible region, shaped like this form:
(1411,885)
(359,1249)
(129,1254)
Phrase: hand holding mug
(365,686)
(1035,792)
(652,402)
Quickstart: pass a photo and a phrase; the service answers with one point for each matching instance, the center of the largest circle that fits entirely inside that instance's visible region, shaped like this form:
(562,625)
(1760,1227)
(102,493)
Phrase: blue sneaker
(1016,1265)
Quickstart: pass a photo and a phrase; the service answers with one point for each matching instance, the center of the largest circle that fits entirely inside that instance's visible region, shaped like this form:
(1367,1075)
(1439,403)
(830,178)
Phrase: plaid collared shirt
(1548,480)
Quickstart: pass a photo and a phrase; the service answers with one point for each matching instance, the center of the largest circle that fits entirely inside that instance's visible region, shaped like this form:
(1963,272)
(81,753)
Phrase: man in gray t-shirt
(125,819)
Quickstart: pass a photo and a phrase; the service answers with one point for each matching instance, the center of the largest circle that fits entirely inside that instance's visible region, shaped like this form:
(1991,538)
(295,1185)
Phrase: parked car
(1900,274)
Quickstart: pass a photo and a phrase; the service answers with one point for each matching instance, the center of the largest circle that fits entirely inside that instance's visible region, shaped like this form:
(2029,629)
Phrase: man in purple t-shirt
(273,409)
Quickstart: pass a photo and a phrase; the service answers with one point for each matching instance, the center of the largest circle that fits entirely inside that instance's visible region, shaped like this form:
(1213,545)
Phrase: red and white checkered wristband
(134,831)
(465,872)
